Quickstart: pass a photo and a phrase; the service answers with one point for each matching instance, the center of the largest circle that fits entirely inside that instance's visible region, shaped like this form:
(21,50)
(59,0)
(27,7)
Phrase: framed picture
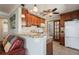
(12,21)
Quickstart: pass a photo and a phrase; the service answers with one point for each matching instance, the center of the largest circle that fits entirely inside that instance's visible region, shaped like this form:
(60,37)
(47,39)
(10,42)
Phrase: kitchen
(35,32)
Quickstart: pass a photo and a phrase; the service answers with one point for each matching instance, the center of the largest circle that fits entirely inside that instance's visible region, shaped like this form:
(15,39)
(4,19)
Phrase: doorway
(3,27)
(50,38)
(56,30)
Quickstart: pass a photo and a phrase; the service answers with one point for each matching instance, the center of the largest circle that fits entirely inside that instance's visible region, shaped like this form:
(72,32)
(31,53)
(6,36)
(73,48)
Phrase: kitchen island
(35,45)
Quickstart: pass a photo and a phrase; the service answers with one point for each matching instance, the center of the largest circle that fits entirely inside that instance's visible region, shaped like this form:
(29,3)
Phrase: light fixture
(23,16)
(22,5)
(50,14)
(35,9)
(42,25)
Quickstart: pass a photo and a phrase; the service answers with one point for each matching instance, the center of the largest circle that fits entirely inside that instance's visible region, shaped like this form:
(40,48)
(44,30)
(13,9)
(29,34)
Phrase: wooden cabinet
(38,21)
(49,48)
(31,19)
(35,21)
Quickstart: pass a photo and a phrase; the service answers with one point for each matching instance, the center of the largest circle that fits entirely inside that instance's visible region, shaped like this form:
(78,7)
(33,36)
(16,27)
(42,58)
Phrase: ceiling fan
(49,12)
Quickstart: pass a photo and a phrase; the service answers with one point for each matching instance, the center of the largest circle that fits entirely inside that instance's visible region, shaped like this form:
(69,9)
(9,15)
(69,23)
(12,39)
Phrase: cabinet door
(31,20)
(39,22)
(49,48)
(35,20)
(28,19)
(30,23)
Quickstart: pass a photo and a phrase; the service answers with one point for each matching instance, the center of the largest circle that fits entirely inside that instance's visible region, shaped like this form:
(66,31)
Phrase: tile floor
(61,50)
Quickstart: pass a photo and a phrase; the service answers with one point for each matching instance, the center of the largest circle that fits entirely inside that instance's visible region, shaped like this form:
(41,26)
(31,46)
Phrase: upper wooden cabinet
(32,19)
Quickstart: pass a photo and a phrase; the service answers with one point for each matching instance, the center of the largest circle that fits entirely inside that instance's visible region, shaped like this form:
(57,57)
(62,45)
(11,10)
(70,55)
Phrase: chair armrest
(1,47)
(0,42)
(2,53)
(19,51)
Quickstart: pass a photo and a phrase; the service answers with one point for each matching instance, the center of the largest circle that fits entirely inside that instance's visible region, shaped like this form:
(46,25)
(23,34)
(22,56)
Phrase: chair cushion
(16,44)
(5,40)
(12,42)
(8,41)
(7,46)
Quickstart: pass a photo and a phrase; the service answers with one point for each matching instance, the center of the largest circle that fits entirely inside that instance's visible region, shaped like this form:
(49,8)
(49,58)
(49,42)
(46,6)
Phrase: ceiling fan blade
(44,14)
(41,13)
(45,11)
(55,12)
(49,10)
(54,9)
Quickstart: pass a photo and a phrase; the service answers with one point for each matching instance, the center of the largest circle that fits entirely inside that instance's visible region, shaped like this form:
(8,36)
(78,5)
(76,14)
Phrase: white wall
(17,21)
(50,28)
(3,15)
(1,29)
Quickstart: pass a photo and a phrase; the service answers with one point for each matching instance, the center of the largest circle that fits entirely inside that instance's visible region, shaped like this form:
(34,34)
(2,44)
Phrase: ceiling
(7,8)
(62,8)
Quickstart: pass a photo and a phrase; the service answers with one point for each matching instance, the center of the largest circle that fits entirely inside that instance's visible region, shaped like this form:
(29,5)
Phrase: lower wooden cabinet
(49,48)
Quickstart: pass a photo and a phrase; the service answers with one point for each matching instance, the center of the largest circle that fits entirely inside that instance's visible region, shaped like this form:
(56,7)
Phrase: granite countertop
(33,35)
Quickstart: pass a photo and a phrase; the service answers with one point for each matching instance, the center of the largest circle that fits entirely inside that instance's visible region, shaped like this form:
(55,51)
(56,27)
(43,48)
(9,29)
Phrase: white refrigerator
(72,34)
